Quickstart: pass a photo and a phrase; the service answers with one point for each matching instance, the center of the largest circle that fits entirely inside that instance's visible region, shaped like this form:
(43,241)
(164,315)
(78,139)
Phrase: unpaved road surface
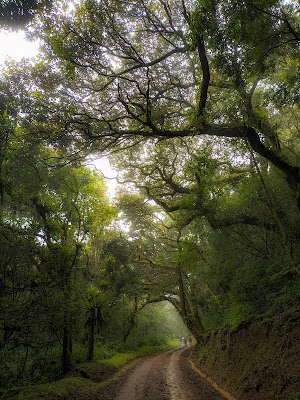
(167,376)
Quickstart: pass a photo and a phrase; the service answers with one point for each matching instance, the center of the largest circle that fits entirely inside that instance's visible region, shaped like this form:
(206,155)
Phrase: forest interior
(196,105)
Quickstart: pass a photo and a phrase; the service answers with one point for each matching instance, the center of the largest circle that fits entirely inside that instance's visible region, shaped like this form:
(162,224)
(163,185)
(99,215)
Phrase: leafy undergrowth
(85,380)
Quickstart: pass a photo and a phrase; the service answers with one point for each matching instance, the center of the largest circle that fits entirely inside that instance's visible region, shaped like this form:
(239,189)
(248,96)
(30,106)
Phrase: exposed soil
(92,370)
(259,359)
(166,376)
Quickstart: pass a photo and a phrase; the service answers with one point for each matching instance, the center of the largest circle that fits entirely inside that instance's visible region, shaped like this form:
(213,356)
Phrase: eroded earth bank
(258,360)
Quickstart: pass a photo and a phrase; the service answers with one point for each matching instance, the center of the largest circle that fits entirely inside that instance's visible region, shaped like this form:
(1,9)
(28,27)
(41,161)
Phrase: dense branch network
(152,70)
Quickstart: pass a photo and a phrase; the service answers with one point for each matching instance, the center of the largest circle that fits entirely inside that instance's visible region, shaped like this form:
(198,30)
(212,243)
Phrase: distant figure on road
(190,340)
(184,341)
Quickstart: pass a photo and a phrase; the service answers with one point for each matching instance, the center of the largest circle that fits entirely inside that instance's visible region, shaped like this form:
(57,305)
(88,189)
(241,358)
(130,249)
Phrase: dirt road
(167,376)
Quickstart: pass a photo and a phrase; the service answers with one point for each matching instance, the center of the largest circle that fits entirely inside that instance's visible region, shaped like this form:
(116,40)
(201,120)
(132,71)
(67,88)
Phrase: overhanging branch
(243,132)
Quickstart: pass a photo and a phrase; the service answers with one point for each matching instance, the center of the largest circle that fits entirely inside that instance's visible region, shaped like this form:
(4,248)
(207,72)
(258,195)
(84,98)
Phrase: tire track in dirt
(166,376)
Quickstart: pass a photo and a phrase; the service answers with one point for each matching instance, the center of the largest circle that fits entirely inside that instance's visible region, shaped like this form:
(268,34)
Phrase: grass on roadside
(76,387)
(120,359)
(66,388)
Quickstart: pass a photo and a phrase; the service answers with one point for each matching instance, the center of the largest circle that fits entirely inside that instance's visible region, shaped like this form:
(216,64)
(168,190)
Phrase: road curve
(166,376)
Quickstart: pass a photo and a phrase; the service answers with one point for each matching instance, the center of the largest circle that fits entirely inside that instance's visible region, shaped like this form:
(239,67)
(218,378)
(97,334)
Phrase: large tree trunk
(181,292)
(67,332)
(67,347)
(189,314)
(132,319)
(91,323)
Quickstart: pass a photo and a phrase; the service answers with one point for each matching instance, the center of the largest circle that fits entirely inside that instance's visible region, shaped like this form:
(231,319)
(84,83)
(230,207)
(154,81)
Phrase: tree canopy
(196,104)
(15,14)
(195,72)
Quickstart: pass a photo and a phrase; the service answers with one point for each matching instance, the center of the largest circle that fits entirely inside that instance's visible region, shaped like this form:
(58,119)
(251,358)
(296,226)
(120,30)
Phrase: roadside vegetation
(87,377)
(196,105)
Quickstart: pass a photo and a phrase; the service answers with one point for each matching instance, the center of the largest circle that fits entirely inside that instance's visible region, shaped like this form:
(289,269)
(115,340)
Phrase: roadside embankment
(258,360)
(83,382)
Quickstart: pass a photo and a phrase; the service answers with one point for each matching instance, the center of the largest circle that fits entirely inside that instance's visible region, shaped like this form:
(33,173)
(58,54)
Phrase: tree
(72,208)
(217,81)
(156,240)
(47,217)
(201,100)
(16,14)
(177,82)
(96,303)
(230,196)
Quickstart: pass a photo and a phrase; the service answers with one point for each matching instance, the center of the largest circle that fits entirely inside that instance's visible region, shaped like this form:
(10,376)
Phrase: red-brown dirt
(166,376)
(259,360)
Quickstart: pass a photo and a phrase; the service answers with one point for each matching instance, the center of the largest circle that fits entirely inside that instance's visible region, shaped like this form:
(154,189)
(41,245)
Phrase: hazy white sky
(14,45)
(102,164)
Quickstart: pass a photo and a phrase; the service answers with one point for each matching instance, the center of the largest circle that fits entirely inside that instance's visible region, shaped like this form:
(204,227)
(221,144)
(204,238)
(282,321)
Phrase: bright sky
(14,45)
(102,165)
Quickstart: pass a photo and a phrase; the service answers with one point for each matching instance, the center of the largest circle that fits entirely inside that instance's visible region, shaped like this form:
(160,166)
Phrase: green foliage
(69,387)
(120,359)
(95,299)
(15,14)
(156,325)
(47,220)
(62,389)
(212,224)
